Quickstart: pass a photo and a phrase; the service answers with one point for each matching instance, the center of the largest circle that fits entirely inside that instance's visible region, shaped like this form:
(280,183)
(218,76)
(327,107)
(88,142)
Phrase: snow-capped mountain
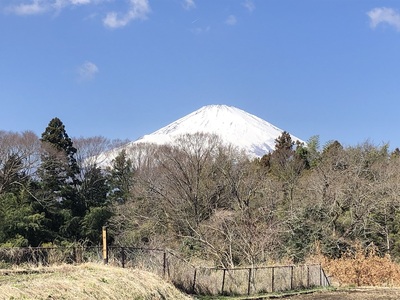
(245,131)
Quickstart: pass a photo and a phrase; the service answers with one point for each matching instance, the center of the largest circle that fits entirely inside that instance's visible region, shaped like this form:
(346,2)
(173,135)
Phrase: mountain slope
(235,126)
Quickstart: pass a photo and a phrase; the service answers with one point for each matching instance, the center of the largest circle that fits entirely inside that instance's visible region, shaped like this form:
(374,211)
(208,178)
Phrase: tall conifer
(59,175)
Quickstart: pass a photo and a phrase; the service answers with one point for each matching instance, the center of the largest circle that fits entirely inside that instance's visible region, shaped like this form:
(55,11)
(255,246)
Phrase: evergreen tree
(283,149)
(121,178)
(98,211)
(21,224)
(284,142)
(94,188)
(11,174)
(59,175)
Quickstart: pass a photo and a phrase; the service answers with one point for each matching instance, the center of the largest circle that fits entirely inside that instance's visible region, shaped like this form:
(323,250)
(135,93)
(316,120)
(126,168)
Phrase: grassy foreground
(87,281)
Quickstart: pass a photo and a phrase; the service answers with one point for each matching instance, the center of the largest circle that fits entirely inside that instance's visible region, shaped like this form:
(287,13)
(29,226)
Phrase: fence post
(123,257)
(194,280)
(105,249)
(326,279)
(320,275)
(164,264)
(272,280)
(223,282)
(249,283)
(291,277)
(308,276)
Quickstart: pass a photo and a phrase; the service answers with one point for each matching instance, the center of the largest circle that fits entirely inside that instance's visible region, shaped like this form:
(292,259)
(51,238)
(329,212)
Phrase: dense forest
(200,198)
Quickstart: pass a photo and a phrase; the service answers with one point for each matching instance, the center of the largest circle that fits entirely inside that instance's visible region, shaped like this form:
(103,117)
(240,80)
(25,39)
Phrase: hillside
(88,281)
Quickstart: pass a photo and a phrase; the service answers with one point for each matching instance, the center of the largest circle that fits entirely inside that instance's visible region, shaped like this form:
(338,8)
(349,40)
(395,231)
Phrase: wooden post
(74,254)
(105,248)
(123,257)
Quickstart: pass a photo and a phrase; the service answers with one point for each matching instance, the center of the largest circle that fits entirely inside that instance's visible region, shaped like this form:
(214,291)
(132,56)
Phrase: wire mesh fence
(189,278)
(257,280)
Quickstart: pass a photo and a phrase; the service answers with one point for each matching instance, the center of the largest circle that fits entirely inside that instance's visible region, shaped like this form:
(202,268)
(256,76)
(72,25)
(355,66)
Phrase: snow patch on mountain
(235,126)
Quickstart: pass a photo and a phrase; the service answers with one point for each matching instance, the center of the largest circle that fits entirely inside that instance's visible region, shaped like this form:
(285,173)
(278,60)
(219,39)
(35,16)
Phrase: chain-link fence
(257,280)
(187,277)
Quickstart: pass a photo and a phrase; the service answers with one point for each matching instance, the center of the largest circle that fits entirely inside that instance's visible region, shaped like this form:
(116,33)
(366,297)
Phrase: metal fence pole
(164,263)
(272,280)
(249,283)
(194,280)
(320,275)
(223,282)
(291,277)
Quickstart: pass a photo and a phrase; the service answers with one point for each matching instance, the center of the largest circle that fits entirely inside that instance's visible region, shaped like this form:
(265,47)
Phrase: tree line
(200,197)
(50,191)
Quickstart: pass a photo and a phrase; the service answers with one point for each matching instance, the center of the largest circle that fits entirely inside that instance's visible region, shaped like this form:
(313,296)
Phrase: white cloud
(231,20)
(34,8)
(188,4)
(384,15)
(87,71)
(249,5)
(80,2)
(138,9)
(64,3)
(201,30)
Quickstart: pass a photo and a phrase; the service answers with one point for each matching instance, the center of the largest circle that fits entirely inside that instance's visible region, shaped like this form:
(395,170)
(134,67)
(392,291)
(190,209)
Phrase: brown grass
(87,281)
(363,268)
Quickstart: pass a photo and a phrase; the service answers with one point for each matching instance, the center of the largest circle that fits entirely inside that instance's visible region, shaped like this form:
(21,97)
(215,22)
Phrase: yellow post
(105,249)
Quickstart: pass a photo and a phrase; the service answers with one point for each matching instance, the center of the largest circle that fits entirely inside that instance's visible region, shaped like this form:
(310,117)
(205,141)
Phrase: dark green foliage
(11,174)
(52,201)
(265,161)
(20,223)
(283,150)
(59,152)
(396,153)
(121,178)
(59,171)
(94,191)
(59,181)
(92,223)
(94,188)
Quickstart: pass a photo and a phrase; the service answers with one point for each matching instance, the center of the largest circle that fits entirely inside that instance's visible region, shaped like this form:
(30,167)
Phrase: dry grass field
(87,281)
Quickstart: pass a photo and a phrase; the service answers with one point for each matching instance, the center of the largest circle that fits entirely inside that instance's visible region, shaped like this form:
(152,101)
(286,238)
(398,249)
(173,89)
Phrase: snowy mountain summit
(247,132)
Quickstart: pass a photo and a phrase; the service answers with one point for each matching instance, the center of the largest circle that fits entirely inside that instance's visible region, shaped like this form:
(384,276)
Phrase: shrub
(363,267)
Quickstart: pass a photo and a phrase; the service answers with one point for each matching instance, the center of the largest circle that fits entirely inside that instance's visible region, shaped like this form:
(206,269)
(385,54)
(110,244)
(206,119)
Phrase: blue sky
(125,68)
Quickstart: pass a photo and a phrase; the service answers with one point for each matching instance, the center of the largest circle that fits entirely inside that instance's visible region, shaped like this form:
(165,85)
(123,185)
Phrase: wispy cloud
(384,15)
(188,4)
(138,9)
(87,71)
(36,7)
(201,30)
(33,8)
(249,5)
(231,20)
